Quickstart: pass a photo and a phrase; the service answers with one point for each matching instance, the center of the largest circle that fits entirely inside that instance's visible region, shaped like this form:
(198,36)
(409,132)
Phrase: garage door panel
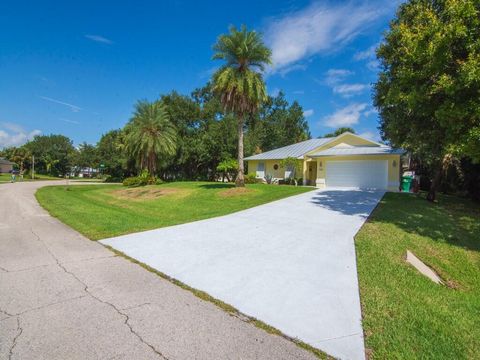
(357,174)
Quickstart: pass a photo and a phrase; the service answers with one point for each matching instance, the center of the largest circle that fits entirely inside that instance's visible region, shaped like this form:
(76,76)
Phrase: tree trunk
(240,181)
(432,193)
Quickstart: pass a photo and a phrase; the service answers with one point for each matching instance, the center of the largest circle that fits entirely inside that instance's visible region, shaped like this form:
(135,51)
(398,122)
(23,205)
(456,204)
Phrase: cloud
(366,54)
(347,116)
(99,39)
(370,56)
(374,136)
(14,135)
(335,76)
(288,69)
(72,107)
(348,90)
(318,28)
(308,112)
(69,121)
(373,65)
(275,92)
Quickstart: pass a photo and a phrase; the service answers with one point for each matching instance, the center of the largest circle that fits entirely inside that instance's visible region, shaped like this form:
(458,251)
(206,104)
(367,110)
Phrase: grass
(110,210)
(405,315)
(8,178)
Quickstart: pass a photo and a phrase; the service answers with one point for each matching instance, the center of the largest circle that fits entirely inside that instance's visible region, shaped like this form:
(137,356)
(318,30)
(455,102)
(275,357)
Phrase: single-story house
(5,165)
(345,161)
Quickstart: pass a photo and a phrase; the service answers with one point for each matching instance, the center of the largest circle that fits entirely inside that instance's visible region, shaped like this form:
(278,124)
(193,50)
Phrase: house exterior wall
(5,168)
(393,168)
(270,168)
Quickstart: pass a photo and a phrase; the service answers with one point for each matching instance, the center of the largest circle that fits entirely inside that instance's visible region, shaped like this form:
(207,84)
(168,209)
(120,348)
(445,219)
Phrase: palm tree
(150,135)
(239,82)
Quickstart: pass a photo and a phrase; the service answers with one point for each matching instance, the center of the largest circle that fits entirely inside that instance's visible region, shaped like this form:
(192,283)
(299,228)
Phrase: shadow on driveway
(348,202)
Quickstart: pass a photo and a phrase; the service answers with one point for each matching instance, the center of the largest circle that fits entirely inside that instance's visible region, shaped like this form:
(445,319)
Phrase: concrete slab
(422,268)
(290,263)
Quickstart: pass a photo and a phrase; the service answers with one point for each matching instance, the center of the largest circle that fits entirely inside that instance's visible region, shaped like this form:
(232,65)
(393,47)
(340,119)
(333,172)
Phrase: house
(345,161)
(5,165)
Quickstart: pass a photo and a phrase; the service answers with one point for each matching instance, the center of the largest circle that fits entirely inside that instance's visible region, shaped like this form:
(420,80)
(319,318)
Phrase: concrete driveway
(63,296)
(290,263)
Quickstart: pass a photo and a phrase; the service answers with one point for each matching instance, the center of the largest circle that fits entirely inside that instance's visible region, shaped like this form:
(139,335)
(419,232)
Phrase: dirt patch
(144,193)
(234,192)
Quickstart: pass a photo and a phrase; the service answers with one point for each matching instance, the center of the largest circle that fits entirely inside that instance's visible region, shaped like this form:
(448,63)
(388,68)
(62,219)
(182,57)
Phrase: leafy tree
(428,90)
(86,156)
(150,136)
(228,167)
(239,81)
(53,153)
(339,131)
(293,165)
(112,155)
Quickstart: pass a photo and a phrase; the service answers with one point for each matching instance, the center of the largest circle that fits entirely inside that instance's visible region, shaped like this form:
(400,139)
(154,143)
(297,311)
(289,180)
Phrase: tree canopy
(428,89)
(339,131)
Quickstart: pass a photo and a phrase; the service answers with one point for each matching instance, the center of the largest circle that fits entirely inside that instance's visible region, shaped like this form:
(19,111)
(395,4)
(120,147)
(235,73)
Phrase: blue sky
(77,68)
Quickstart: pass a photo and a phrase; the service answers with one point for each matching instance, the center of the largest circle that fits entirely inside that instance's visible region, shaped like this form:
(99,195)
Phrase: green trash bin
(406,183)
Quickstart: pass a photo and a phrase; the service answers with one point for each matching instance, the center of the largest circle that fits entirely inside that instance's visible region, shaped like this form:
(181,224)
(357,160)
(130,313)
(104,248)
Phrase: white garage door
(364,174)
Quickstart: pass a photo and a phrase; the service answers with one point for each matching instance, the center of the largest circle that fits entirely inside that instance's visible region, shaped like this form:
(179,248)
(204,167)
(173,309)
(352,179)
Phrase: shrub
(113,179)
(251,179)
(141,180)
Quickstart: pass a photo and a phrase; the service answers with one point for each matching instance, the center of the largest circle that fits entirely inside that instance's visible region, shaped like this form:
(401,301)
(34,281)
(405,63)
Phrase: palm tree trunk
(240,181)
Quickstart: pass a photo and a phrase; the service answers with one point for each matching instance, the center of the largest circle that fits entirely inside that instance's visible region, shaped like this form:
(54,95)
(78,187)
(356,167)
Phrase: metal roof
(358,150)
(4,161)
(295,150)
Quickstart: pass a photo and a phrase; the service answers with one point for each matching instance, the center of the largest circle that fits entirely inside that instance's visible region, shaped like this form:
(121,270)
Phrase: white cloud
(348,90)
(99,39)
(319,28)
(373,65)
(288,69)
(275,92)
(366,54)
(72,107)
(335,76)
(370,56)
(14,135)
(347,116)
(371,111)
(374,136)
(308,112)
(69,121)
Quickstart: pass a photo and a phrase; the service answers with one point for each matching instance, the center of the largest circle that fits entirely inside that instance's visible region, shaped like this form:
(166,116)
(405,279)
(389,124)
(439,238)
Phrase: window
(275,167)
(260,170)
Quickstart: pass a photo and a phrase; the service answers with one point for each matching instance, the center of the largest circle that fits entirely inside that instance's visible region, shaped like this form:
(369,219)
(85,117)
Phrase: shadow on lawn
(217,186)
(453,220)
(347,202)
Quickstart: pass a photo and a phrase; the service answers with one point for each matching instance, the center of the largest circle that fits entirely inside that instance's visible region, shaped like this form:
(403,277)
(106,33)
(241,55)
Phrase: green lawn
(100,211)
(405,315)
(8,178)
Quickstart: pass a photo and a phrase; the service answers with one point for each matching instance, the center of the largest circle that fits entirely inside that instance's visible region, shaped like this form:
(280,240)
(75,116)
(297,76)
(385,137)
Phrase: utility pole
(33,167)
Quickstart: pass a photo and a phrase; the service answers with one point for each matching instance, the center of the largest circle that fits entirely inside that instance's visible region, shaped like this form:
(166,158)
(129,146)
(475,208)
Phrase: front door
(312,172)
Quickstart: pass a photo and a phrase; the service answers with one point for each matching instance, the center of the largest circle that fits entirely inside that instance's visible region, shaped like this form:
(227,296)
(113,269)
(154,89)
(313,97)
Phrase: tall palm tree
(150,135)
(239,82)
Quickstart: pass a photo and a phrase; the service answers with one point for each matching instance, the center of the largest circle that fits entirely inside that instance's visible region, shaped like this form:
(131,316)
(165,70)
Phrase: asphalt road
(63,296)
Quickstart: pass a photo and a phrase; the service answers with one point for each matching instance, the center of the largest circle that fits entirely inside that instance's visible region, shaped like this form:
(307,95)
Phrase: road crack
(86,289)
(19,332)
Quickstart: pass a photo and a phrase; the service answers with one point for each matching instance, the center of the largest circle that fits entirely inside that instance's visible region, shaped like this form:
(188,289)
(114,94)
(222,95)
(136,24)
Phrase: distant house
(5,165)
(345,161)
(83,172)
